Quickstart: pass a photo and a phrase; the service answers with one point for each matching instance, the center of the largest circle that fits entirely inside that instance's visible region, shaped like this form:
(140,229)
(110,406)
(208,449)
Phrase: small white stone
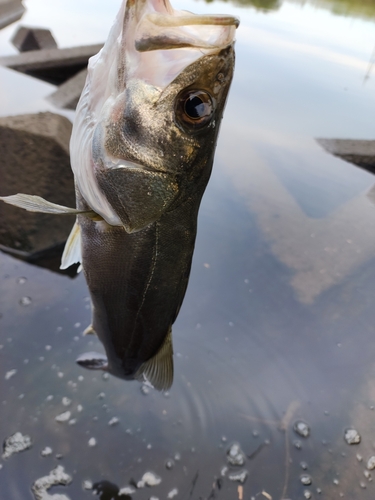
(46,452)
(16,443)
(301,428)
(87,485)
(63,417)
(240,476)
(10,374)
(352,436)
(126,491)
(92,442)
(149,479)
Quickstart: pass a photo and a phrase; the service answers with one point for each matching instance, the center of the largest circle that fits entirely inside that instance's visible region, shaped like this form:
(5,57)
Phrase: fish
(142,150)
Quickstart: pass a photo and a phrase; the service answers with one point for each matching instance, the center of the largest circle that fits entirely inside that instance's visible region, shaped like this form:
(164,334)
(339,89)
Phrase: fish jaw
(149,47)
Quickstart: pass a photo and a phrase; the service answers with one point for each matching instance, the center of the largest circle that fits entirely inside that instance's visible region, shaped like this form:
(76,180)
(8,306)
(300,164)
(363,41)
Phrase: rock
(34,159)
(26,39)
(54,66)
(358,152)
(67,95)
(10,11)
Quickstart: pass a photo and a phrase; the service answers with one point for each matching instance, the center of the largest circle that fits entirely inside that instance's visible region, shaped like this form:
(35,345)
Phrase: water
(277,326)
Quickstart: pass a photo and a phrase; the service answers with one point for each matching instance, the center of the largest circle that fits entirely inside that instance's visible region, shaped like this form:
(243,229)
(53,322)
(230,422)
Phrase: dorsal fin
(72,251)
(159,369)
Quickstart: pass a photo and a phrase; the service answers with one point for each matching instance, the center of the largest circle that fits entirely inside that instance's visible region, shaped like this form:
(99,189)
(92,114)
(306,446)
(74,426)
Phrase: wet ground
(274,345)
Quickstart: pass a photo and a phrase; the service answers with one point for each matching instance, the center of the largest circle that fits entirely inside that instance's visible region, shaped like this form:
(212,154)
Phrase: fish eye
(194,108)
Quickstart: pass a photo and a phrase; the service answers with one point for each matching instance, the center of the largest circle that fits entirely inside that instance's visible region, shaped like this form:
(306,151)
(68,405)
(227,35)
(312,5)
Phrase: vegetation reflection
(354,8)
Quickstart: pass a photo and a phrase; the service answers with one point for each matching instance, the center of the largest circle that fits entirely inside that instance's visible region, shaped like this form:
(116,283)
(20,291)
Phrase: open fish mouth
(167,28)
(158,42)
(153,25)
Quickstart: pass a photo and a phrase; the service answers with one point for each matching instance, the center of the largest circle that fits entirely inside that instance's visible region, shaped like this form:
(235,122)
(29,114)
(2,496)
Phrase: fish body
(142,150)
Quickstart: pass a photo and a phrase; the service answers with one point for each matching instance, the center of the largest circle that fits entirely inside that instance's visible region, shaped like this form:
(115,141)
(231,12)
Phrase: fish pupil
(195,108)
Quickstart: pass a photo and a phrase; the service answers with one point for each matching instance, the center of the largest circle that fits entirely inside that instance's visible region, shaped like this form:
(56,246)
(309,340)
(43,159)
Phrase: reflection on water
(364,9)
(277,326)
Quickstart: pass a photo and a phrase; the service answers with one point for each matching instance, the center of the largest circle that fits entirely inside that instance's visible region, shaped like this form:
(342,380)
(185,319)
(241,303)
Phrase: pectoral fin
(159,369)
(72,251)
(89,331)
(37,204)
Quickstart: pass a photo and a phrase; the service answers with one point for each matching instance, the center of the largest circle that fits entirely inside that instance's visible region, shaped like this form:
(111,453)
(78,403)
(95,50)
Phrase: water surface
(277,326)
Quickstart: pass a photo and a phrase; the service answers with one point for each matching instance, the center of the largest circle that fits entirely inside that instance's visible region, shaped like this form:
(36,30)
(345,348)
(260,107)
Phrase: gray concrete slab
(67,95)
(10,11)
(360,153)
(52,65)
(34,159)
(27,38)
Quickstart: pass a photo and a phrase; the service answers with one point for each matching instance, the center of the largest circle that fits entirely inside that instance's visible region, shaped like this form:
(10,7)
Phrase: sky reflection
(278,320)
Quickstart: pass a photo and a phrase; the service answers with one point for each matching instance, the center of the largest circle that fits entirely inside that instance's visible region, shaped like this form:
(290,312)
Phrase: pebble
(10,374)
(173,493)
(63,417)
(352,436)
(149,479)
(306,480)
(301,428)
(240,476)
(46,452)
(15,444)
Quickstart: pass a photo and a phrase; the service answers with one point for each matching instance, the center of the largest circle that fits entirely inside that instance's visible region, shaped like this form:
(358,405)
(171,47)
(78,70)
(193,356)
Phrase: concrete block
(34,159)
(360,153)
(52,65)
(68,93)
(10,11)
(26,39)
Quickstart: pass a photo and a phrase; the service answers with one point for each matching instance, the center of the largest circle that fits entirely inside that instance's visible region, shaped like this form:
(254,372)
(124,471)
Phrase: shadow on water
(108,491)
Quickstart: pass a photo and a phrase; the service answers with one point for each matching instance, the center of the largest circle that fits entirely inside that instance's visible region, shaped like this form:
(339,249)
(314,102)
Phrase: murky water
(274,345)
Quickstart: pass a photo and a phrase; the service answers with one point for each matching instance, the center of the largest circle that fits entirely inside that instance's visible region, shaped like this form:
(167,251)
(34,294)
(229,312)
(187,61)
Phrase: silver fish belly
(142,150)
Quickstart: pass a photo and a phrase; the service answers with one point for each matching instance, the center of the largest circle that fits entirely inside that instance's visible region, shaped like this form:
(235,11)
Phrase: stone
(67,95)
(359,152)
(26,39)
(34,159)
(54,66)
(10,12)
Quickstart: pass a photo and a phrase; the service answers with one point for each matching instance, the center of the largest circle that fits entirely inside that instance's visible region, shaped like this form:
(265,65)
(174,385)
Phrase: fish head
(149,116)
